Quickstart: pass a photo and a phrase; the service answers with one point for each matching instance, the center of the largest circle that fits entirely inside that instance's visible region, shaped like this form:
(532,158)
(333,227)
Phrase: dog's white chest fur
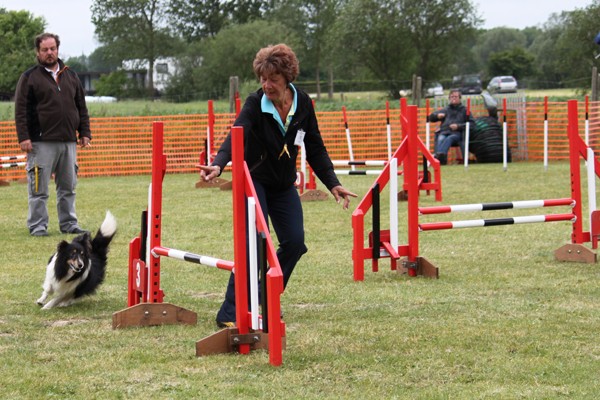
(63,289)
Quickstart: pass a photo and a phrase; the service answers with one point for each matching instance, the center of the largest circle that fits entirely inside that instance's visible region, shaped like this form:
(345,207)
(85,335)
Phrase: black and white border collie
(77,268)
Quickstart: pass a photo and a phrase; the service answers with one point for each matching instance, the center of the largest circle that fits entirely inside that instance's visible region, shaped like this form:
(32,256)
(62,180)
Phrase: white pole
(591,178)
(253,262)
(394,203)
(389,140)
(504,145)
(545,145)
(349,140)
(208,146)
(150,212)
(466,155)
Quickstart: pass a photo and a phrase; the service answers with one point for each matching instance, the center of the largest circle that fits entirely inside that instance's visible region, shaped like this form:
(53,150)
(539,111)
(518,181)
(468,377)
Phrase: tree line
(340,43)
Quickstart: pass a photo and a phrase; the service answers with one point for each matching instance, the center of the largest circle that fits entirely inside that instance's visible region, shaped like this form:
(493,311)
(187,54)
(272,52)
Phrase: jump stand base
(421,267)
(575,253)
(153,314)
(313,195)
(227,341)
(217,182)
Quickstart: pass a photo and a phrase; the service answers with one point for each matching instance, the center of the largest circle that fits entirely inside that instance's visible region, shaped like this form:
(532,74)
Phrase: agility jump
(14,162)
(415,265)
(145,296)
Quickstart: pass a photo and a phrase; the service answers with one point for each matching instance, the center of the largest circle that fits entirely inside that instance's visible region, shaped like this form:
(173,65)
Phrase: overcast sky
(71,19)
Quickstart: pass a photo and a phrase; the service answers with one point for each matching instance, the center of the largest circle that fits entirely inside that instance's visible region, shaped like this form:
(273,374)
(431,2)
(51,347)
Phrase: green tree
(205,74)
(134,29)
(493,41)
(197,19)
(516,62)
(437,30)
(18,30)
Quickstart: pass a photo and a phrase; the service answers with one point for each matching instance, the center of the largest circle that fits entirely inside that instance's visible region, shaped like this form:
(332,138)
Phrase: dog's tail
(105,234)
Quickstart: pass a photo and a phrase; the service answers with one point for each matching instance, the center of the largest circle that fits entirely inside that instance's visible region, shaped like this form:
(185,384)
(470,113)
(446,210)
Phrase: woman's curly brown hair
(276,59)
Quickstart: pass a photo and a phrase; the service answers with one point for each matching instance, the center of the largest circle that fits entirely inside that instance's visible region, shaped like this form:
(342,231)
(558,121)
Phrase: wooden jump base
(379,241)
(145,297)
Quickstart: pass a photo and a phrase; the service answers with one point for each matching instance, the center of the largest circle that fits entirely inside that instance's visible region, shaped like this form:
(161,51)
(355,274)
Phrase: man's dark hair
(44,36)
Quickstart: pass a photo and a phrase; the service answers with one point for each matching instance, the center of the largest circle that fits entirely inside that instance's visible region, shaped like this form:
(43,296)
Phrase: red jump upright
(145,295)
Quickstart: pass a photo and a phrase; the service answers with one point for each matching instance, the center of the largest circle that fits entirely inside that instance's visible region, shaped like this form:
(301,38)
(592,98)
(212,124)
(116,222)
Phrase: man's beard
(48,64)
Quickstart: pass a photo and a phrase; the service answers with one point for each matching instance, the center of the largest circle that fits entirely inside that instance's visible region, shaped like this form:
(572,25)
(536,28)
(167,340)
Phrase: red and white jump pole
(348,137)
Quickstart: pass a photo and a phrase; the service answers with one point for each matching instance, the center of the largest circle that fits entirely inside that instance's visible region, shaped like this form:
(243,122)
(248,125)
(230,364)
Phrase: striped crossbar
(191,257)
(12,165)
(366,163)
(475,223)
(349,172)
(12,158)
(497,206)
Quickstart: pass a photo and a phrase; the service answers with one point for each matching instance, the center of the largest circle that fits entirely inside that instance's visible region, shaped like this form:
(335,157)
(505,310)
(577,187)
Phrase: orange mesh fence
(122,145)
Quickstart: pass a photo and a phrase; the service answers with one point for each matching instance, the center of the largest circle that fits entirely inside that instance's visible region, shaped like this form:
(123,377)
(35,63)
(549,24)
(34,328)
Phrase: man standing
(453,120)
(49,110)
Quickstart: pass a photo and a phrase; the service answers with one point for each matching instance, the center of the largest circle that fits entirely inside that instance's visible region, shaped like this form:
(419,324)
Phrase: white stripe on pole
(366,163)
(394,203)
(472,223)
(208,146)
(529,219)
(351,153)
(591,181)
(12,165)
(587,132)
(466,155)
(545,145)
(253,262)
(504,145)
(389,140)
(148,225)
(361,172)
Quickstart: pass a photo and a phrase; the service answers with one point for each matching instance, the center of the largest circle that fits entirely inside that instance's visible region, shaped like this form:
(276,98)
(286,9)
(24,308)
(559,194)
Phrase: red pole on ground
(159,166)
(411,171)
(573,133)
(239,234)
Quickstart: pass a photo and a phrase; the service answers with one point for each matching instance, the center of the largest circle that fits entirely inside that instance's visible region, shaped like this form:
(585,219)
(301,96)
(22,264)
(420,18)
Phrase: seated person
(453,120)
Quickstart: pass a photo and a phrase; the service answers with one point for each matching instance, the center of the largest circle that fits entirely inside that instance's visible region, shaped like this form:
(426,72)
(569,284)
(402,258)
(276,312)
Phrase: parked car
(502,84)
(467,84)
(433,89)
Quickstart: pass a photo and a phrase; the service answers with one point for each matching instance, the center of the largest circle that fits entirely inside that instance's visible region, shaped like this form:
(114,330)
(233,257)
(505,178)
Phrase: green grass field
(504,321)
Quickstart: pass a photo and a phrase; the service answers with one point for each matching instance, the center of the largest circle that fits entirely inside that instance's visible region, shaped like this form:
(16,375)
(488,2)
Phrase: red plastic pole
(239,234)
(573,133)
(411,170)
(159,166)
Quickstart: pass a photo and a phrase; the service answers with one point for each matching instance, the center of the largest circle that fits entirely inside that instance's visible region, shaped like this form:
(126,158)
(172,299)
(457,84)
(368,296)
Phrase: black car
(468,84)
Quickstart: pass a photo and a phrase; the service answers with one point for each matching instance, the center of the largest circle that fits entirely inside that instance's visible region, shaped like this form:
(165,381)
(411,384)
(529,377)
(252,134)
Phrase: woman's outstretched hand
(339,193)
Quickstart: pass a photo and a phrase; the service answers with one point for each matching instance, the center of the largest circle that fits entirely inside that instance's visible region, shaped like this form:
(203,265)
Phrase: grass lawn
(504,321)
